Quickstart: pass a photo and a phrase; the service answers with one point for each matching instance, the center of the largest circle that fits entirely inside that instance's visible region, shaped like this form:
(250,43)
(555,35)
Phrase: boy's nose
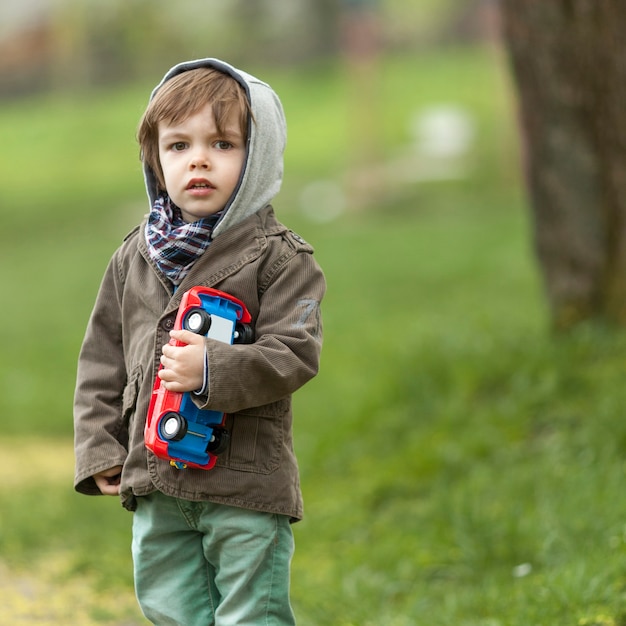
(200,161)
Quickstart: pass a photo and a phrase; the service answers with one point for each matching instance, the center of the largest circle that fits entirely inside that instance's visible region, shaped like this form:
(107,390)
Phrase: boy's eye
(223,145)
(178,146)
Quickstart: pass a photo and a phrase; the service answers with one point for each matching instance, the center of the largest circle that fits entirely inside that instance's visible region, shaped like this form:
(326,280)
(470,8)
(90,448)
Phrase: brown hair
(182,96)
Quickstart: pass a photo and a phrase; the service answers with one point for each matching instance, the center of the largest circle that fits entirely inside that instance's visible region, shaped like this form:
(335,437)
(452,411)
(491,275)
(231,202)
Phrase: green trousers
(202,564)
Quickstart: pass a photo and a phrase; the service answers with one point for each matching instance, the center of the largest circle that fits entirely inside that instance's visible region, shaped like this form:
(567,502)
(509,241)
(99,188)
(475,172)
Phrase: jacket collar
(228,253)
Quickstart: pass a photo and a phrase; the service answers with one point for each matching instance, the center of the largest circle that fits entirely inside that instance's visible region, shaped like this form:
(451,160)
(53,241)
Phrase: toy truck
(176,429)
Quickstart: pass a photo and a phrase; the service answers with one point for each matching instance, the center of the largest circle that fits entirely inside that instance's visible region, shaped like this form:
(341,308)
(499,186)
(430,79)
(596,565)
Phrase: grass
(471,470)
(460,465)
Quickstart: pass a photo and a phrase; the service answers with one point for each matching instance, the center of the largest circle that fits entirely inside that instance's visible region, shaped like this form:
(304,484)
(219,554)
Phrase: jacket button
(167,324)
(298,238)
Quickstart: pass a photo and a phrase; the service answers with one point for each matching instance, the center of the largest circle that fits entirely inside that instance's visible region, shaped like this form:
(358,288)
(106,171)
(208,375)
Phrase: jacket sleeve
(100,435)
(288,341)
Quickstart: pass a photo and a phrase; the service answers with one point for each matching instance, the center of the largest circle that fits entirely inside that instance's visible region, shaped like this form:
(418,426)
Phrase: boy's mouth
(200,183)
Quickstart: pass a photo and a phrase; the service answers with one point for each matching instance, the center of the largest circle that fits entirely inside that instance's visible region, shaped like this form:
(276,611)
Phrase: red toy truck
(176,429)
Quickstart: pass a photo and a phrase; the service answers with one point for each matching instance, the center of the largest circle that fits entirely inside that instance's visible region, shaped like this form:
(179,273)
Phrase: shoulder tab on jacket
(300,242)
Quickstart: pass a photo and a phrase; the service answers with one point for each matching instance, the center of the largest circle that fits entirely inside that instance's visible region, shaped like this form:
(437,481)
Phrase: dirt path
(27,600)
(45,596)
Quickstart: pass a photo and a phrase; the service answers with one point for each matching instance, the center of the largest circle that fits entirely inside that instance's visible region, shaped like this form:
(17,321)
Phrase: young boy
(209,546)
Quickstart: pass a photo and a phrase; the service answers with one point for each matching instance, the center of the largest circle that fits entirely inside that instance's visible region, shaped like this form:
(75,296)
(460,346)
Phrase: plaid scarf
(173,244)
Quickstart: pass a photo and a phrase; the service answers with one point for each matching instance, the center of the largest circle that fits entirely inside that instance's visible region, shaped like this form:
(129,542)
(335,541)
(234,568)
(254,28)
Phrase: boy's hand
(108,481)
(183,366)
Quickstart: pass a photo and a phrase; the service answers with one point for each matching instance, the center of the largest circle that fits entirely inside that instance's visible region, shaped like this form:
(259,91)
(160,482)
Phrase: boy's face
(201,166)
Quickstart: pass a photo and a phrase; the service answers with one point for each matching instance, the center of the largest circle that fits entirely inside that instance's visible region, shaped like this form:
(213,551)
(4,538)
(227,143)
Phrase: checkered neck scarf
(173,244)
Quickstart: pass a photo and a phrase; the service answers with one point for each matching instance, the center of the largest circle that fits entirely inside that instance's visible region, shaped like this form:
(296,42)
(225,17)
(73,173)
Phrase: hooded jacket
(255,258)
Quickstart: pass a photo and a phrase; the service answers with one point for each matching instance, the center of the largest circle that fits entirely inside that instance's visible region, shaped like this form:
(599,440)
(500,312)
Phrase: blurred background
(462,449)
(58,44)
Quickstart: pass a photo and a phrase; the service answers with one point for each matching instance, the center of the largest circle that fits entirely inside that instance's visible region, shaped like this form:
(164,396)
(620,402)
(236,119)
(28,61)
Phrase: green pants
(202,564)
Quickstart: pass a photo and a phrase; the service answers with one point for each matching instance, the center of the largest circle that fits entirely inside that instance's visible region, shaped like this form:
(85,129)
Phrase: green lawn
(460,466)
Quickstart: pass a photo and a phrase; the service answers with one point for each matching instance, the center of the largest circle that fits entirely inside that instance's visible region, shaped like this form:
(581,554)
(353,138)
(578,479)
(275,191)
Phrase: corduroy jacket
(270,269)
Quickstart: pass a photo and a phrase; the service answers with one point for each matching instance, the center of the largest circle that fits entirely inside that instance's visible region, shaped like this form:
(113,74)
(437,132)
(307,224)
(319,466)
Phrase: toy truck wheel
(219,441)
(243,334)
(197,321)
(173,427)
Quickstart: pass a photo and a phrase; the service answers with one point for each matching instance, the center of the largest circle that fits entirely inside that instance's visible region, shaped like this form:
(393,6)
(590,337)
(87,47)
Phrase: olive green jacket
(271,270)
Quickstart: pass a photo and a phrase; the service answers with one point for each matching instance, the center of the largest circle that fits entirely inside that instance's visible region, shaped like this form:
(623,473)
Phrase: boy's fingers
(109,481)
(186,336)
(183,336)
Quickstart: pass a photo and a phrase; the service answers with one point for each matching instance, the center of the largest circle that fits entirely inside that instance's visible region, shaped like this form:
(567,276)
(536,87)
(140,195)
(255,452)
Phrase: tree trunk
(569,63)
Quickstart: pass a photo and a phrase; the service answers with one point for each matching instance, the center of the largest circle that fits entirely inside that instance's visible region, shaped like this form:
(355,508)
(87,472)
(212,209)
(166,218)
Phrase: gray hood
(262,172)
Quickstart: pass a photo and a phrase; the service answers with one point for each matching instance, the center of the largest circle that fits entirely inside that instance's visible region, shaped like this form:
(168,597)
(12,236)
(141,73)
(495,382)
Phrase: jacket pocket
(256,439)
(131,394)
